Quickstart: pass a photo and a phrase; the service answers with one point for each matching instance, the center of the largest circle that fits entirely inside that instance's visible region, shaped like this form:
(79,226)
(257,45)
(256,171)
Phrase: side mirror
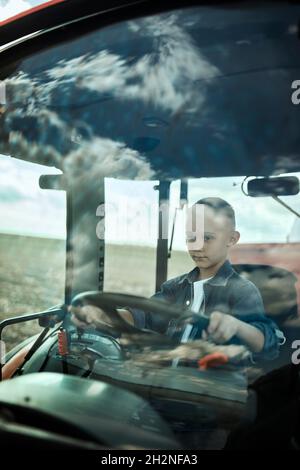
(277,186)
(53,182)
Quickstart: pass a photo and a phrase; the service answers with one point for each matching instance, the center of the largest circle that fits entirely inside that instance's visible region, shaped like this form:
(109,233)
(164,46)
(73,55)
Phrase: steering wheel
(109,302)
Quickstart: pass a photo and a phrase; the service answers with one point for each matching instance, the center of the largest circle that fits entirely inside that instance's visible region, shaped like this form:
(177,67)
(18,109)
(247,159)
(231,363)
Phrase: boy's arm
(222,327)
(249,309)
(250,336)
(150,320)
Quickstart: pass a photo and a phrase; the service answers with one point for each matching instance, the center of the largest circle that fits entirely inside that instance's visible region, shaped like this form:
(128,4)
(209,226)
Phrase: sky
(26,209)
(10,8)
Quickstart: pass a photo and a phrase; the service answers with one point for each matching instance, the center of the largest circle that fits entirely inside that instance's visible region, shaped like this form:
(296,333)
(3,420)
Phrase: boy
(232,303)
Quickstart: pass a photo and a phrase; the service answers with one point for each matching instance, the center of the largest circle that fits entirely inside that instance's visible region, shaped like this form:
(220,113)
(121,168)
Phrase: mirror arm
(276,198)
(57,312)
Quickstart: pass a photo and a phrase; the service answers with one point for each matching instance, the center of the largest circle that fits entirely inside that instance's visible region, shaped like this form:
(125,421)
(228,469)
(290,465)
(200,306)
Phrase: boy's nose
(195,251)
(196,246)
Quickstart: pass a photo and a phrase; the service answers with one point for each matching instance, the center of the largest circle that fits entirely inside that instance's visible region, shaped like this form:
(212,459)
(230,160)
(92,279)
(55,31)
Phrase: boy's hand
(221,327)
(89,316)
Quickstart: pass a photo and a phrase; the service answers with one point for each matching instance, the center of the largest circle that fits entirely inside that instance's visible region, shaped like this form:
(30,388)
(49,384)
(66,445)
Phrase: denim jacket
(226,292)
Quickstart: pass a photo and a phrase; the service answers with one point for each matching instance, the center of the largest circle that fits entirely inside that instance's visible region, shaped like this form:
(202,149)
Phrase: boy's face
(215,235)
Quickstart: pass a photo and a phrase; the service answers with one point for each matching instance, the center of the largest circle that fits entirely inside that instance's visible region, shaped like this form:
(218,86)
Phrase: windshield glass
(32,244)
(142,119)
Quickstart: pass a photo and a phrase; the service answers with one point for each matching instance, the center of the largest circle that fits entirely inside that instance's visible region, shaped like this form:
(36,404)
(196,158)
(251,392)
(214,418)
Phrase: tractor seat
(279,294)
(277,288)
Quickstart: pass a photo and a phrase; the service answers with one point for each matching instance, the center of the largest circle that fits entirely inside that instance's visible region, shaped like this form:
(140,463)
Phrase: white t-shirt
(198,294)
(195,307)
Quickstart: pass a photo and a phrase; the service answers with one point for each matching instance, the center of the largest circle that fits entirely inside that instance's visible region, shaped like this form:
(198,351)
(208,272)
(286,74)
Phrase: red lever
(62,342)
(212,360)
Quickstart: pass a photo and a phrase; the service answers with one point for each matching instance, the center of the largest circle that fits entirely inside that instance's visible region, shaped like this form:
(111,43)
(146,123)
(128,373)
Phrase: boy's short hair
(219,205)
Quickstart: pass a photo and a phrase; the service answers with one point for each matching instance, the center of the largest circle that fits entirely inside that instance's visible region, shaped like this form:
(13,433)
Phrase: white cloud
(164,77)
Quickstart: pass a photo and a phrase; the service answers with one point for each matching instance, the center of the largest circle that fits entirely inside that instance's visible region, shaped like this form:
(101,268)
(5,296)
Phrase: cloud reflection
(163,76)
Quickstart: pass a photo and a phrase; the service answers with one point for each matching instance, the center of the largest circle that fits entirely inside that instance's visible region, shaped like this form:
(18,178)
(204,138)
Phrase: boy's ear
(234,238)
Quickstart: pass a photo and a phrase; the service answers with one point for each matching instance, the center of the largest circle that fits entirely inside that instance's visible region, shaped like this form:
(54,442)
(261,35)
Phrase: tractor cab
(112,125)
